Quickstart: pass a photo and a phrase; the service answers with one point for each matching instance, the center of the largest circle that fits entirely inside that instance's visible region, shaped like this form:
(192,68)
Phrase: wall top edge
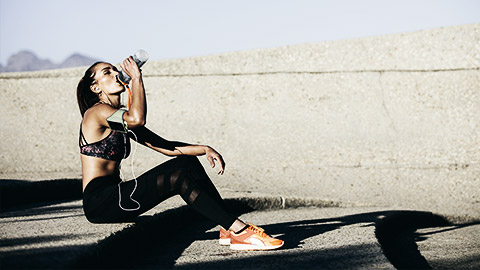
(440,49)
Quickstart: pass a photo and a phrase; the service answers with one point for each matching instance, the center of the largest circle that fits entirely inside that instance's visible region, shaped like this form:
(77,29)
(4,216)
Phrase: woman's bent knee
(188,162)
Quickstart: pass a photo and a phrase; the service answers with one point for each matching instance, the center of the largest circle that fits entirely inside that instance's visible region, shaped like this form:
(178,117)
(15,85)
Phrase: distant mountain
(28,61)
(76,60)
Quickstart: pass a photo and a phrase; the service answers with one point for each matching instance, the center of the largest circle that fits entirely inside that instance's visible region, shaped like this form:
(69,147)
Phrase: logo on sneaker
(256,242)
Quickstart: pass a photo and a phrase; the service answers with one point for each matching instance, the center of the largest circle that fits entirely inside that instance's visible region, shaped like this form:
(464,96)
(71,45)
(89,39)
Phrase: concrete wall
(391,120)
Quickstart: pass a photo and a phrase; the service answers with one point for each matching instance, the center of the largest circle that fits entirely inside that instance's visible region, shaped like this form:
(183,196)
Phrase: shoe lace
(256,227)
(258,231)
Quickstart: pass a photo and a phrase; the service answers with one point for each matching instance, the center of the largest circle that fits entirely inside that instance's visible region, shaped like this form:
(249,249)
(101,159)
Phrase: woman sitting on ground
(104,143)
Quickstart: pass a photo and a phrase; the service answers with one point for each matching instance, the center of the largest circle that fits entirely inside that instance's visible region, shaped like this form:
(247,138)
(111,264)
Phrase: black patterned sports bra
(116,146)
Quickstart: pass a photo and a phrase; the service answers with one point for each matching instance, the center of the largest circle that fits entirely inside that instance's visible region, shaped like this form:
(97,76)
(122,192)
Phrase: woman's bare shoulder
(99,111)
(97,115)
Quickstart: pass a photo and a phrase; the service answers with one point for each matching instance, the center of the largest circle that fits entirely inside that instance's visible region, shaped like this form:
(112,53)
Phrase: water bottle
(140,57)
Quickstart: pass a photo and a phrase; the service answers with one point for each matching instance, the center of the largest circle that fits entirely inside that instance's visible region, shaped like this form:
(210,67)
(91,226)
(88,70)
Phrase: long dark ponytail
(85,96)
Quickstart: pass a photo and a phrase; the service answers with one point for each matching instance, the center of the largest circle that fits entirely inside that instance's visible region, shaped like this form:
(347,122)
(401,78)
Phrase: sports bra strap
(81,139)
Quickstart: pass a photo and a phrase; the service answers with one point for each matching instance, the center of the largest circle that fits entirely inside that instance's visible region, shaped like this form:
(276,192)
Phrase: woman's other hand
(213,155)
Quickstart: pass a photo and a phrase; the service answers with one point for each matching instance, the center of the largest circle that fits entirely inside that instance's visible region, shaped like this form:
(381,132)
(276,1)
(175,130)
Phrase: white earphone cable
(134,177)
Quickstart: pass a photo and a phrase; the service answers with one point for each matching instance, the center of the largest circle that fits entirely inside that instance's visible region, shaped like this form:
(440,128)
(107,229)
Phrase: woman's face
(106,79)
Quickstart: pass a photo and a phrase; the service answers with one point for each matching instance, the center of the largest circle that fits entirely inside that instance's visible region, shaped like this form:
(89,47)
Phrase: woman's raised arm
(137,114)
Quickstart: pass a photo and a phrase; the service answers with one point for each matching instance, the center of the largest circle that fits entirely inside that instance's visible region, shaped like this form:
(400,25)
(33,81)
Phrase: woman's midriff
(93,167)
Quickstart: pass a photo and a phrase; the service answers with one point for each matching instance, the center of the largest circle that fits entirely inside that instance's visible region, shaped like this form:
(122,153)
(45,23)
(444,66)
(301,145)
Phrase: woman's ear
(95,88)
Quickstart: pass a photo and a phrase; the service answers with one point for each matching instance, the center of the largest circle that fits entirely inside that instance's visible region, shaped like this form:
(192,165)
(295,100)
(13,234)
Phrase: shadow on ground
(144,245)
(158,241)
(20,193)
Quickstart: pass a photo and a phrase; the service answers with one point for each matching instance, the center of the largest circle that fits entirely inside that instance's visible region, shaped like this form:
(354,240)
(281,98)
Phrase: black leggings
(183,175)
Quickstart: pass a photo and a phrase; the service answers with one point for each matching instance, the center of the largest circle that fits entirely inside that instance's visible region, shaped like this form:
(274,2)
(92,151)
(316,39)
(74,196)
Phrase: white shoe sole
(224,242)
(252,247)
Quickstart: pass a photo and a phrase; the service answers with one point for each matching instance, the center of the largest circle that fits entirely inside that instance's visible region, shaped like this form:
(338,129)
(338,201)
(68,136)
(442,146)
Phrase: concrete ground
(317,234)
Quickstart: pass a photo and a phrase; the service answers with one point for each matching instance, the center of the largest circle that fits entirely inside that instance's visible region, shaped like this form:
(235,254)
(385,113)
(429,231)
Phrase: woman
(106,198)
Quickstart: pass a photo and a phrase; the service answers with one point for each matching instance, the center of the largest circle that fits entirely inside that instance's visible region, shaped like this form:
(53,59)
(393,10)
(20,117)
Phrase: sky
(111,30)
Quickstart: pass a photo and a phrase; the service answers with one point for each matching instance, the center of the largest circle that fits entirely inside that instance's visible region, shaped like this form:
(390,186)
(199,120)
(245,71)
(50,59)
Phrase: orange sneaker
(253,238)
(224,237)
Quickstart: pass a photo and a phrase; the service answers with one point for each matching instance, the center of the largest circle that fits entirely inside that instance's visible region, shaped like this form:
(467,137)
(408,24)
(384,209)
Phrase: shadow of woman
(294,233)
(395,231)
(155,242)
